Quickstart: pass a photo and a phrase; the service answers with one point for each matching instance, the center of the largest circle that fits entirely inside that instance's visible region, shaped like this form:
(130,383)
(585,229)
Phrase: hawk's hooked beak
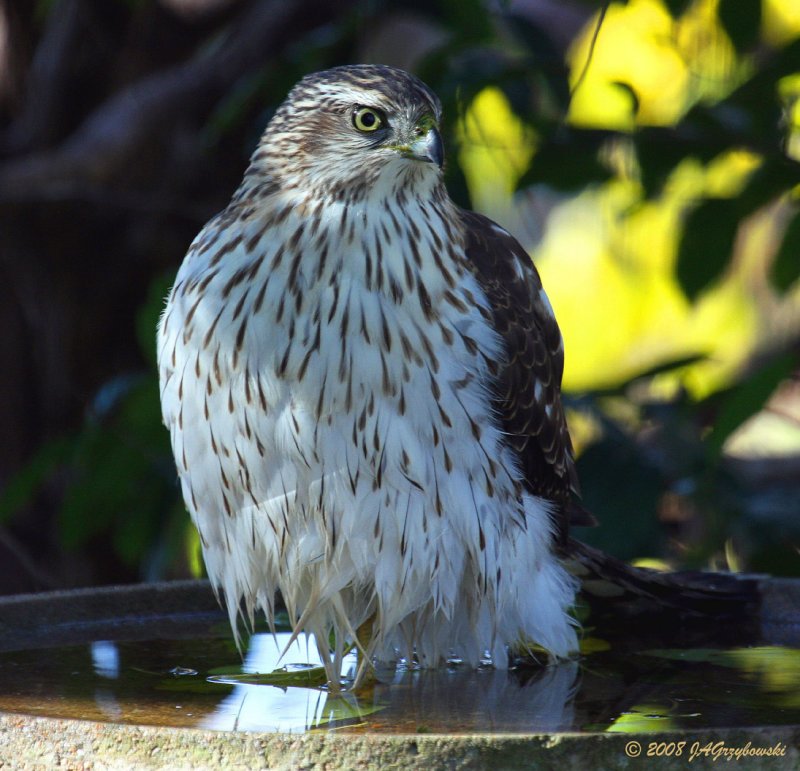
(428,148)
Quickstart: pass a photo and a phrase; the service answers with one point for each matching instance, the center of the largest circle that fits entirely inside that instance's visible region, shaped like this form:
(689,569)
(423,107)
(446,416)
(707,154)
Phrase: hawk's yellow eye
(366,119)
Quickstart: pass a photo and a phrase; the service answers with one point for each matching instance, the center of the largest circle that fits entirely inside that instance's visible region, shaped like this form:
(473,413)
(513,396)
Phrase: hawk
(362,385)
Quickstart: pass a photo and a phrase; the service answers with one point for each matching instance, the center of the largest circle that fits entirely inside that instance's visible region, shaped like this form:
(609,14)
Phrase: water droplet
(298,667)
(182,671)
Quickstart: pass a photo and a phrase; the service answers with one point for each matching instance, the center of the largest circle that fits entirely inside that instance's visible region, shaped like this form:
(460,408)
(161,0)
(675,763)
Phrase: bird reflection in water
(453,699)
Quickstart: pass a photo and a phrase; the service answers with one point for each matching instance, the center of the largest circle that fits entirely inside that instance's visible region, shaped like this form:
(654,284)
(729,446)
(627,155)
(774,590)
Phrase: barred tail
(670,602)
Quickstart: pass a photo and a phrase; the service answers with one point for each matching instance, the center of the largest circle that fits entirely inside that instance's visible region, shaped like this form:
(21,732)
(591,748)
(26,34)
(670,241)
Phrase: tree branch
(129,121)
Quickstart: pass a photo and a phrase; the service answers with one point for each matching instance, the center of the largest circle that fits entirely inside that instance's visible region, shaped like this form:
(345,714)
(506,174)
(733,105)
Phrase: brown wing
(529,383)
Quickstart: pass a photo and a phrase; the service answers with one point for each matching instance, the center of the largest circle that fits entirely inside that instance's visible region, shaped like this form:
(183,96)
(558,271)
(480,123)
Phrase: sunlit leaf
(643,718)
(344,707)
(776,668)
(194,550)
(589,645)
(630,91)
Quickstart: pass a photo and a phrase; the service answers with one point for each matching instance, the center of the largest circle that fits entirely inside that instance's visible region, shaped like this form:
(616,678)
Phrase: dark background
(126,124)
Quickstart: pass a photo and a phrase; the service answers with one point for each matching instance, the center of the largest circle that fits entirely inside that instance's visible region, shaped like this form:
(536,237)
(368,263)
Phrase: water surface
(203,682)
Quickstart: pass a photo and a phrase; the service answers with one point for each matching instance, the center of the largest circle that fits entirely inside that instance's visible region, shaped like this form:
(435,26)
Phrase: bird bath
(148,675)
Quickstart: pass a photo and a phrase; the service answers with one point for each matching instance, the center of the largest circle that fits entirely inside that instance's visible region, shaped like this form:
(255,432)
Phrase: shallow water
(202,682)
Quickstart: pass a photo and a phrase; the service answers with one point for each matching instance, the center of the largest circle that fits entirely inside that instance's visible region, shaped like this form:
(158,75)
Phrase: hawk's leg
(365,671)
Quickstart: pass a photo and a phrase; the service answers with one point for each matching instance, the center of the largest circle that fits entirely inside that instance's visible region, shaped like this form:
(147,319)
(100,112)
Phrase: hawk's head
(342,130)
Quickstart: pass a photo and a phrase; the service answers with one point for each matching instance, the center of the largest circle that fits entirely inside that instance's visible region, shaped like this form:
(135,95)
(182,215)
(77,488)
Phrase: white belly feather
(334,440)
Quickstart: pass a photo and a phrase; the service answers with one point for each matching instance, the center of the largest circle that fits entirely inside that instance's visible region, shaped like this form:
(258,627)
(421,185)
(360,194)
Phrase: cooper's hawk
(362,384)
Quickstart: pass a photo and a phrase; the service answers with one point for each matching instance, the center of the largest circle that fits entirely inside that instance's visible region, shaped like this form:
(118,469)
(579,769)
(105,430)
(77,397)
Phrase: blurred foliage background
(646,153)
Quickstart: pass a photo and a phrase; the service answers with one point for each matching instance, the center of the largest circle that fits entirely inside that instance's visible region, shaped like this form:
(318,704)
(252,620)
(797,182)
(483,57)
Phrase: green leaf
(311,677)
(666,366)
(699,655)
(753,115)
(544,61)
(568,163)
(121,473)
(469,19)
(747,398)
(676,7)
(742,21)
(25,484)
(149,314)
(785,269)
(660,150)
(647,374)
(627,511)
(707,243)
(771,179)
